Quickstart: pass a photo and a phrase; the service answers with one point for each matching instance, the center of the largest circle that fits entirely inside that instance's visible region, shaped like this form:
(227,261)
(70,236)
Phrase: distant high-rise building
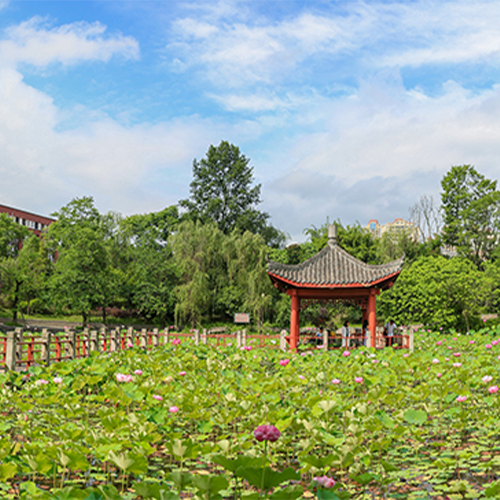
(398,226)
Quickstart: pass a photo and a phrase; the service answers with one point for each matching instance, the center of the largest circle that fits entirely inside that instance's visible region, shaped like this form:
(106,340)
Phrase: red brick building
(35,223)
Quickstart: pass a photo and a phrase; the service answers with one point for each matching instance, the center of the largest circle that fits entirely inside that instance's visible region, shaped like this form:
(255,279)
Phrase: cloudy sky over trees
(351,110)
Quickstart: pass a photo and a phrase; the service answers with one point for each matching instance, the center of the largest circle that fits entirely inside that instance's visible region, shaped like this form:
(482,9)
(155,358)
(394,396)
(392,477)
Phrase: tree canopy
(471,207)
(222,191)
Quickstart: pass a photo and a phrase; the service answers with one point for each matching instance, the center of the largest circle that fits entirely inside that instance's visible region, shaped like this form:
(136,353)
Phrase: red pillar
(294,321)
(372,319)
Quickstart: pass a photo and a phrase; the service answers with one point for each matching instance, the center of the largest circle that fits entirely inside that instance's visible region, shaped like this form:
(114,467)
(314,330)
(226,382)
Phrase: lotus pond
(178,422)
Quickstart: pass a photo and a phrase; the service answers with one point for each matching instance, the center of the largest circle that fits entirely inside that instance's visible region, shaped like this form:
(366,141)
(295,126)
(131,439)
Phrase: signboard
(242,318)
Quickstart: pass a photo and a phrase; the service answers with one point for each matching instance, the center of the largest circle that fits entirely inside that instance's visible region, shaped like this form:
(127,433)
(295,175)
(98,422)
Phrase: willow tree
(197,253)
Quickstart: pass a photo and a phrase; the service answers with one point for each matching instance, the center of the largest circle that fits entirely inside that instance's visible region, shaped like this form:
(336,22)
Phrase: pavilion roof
(333,267)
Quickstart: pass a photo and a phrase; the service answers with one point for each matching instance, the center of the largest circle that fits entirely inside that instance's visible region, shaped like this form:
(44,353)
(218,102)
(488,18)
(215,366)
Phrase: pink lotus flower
(157,397)
(137,372)
(456,354)
(121,377)
(447,359)
(405,355)
(375,361)
(129,345)
(176,341)
(457,365)
(173,409)
(266,433)
(346,354)
(284,362)
(435,361)
(439,342)
(488,346)
(41,381)
(439,375)
(335,381)
(302,377)
(181,374)
(494,342)
(493,389)
(487,378)
(472,341)
(358,380)
(454,338)
(57,380)
(461,399)
(325,482)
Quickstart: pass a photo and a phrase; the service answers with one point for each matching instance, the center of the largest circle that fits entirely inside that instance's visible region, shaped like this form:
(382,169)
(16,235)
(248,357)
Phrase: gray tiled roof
(333,266)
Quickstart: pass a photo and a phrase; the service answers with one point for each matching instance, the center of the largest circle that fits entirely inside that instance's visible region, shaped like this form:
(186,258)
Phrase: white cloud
(378,152)
(241,53)
(34,42)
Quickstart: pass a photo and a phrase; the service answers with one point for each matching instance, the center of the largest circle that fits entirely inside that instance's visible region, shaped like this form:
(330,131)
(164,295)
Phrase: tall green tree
(23,277)
(197,250)
(80,281)
(246,262)
(148,272)
(471,207)
(222,191)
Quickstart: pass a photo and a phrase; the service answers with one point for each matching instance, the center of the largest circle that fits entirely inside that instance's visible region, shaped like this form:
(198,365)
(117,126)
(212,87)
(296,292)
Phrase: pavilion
(333,275)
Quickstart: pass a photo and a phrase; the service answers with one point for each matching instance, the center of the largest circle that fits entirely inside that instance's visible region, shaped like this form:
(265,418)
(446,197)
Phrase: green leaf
(212,484)
(492,490)
(417,417)
(266,478)
(288,493)
(7,471)
(180,479)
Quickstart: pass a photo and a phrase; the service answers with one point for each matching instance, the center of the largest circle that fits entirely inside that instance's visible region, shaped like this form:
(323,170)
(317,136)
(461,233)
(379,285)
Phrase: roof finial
(332,234)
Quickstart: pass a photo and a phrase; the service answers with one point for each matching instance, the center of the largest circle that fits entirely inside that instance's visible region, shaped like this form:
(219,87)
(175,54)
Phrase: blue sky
(347,110)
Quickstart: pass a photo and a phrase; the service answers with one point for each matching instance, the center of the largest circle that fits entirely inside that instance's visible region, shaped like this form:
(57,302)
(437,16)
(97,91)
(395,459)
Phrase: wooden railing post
(411,340)
(71,344)
(113,344)
(155,337)
(244,337)
(325,339)
(130,337)
(166,335)
(19,347)
(238,339)
(204,337)
(11,351)
(197,337)
(45,351)
(144,338)
(94,340)
(283,340)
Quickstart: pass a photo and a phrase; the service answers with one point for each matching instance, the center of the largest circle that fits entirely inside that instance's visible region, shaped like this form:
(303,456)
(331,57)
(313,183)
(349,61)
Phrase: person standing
(390,328)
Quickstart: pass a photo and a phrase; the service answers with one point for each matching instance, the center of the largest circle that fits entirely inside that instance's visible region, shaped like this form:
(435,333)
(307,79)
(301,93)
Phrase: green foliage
(471,206)
(354,239)
(437,292)
(80,281)
(398,433)
(11,236)
(222,192)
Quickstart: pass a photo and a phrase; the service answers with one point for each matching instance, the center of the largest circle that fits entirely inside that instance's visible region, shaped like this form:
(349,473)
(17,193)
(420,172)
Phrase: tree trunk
(16,302)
